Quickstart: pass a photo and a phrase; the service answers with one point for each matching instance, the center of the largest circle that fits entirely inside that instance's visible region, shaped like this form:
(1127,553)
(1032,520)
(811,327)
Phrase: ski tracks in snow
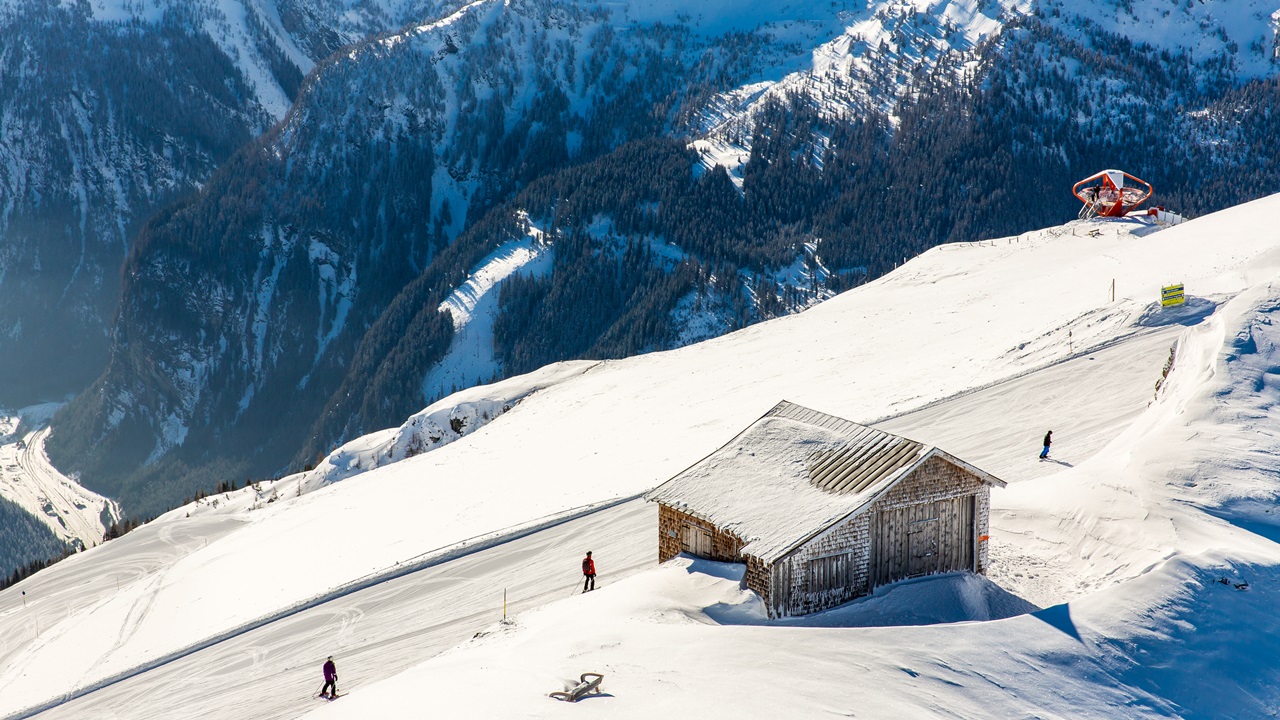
(347,621)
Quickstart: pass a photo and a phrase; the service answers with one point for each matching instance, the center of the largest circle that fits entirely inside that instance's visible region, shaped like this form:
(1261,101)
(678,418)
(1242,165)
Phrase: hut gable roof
(793,473)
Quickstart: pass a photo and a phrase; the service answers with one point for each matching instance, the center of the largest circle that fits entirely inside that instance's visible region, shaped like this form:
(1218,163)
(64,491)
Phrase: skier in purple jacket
(330,689)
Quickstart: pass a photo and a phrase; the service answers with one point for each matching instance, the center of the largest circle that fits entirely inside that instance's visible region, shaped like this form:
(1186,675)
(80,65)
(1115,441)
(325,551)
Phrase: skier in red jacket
(588,573)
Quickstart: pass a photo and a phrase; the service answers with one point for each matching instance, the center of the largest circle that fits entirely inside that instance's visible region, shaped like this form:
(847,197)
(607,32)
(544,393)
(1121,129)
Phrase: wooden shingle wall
(939,498)
(668,533)
(936,479)
(982,526)
(795,576)
(759,579)
(724,546)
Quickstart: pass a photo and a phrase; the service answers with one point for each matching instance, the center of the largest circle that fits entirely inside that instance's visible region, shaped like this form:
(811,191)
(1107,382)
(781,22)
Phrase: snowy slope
(1244,31)
(1134,558)
(474,309)
(1166,531)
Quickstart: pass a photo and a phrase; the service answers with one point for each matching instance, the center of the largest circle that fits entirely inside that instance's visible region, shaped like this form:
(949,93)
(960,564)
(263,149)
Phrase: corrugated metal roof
(867,456)
(793,473)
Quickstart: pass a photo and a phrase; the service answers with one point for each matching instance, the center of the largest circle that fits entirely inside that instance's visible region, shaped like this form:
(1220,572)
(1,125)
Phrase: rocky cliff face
(110,110)
(101,124)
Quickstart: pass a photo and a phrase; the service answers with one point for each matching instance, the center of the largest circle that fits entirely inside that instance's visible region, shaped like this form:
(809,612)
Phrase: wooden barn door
(924,538)
(891,540)
(960,537)
(696,540)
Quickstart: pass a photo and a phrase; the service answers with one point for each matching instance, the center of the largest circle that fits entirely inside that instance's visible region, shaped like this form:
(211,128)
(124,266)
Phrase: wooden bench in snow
(587,683)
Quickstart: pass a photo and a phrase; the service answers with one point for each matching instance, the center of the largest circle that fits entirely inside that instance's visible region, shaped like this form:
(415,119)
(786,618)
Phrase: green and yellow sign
(1171,295)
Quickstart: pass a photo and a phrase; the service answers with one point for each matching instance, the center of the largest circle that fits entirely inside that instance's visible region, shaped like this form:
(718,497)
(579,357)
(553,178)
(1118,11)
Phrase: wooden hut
(823,510)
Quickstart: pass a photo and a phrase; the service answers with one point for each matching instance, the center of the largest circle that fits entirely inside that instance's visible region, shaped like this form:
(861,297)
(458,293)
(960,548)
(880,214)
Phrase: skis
(322,696)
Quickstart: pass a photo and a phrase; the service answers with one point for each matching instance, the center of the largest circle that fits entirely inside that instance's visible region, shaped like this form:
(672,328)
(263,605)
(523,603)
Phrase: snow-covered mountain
(315,288)
(324,221)
(1103,599)
(883,56)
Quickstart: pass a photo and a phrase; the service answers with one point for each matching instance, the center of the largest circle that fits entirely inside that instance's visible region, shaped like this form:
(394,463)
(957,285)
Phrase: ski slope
(978,348)
(267,672)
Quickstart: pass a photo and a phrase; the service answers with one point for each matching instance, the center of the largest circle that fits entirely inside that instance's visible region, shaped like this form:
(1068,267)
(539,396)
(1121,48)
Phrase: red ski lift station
(1116,193)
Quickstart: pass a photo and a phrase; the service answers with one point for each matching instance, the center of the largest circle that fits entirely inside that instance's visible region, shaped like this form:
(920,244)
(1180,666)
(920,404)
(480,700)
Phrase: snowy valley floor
(1103,599)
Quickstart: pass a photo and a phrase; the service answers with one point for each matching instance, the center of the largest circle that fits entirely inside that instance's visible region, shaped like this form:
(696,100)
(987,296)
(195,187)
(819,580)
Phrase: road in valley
(72,512)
